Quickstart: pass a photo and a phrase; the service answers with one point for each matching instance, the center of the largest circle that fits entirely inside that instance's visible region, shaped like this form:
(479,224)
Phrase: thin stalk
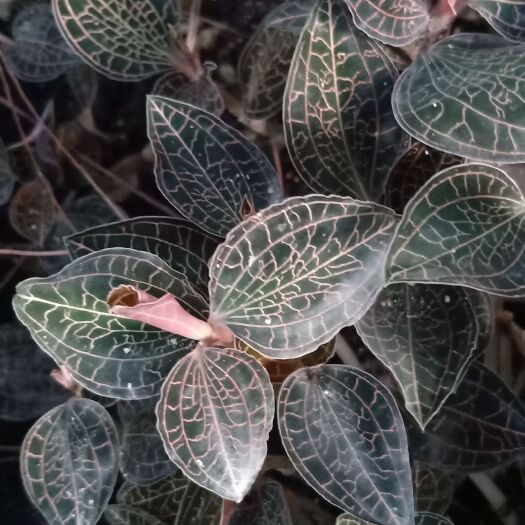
(33,253)
(345,352)
(194,20)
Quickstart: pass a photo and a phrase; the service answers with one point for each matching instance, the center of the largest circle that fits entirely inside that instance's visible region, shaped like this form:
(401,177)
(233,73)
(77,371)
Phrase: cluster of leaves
(192,323)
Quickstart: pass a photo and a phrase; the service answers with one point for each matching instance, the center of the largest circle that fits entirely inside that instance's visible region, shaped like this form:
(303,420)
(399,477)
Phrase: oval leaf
(481,426)
(507,17)
(390,21)
(426,335)
(38,53)
(206,169)
(174,500)
(122,39)
(314,250)
(128,515)
(460,113)
(69,462)
(344,433)
(177,242)
(68,316)
(465,226)
(142,457)
(214,415)
(339,127)
(427,518)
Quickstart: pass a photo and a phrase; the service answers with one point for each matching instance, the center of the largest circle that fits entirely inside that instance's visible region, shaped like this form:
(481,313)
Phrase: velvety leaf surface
(122,39)
(427,518)
(38,53)
(7,177)
(448,98)
(411,171)
(202,93)
(128,515)
(214,415)
(265,60)
(68,316)
(426,335)
(433,488)
(507,17)
(344,433)
(26,387)
(142,456)
(69,462)
(174,500)
(391,21)
(266,505)
(339,126)
(207,170)
(465,226)
(481,426)
(289,278)
(177,242)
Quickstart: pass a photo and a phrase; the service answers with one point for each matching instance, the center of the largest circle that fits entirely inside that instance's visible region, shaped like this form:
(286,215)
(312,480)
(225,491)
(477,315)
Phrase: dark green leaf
(339,126)
(348,519)
(39,52)
(464,227)
(142,458)
(265,61)
(122,39)
(275,266)
(448,98)
(69,462)
(26,387)
(344,433)
(390,21)
(427,518)
(128,515)
(7,177)
(177,242)
(427,336)
(206,169)
(214,415)
(481,426)
(174,500)
(68,316)
(507,17)
(433,488)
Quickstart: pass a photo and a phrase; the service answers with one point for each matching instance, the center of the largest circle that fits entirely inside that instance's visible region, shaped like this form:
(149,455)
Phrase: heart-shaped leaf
(426,335)
(214,415)
(507,17)
(427,518)
(481,426)
(122,39)
(27,389)
(177,242)
(68,316)
(411,171)
(465,226)
(128,515)
(142,457)
(390,21)
(433,488)
(174,500)
(206,169)
(38,53)
(339,126)
(344,433)
(69,462)
(265,505)
(289,278)
(459,112)
(265,61)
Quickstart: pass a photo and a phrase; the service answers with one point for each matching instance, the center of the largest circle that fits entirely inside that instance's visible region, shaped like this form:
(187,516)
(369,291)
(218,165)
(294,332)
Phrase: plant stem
(193,25)
(345,352)
(33,253)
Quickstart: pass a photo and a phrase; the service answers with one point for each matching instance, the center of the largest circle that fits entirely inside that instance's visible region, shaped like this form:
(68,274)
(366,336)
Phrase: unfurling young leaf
(207,170)
(463,227)
(69,462)
(214,415)
(289,278)
(339,126)
(463,113)
(122,39)
(343,432)
(69,317)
